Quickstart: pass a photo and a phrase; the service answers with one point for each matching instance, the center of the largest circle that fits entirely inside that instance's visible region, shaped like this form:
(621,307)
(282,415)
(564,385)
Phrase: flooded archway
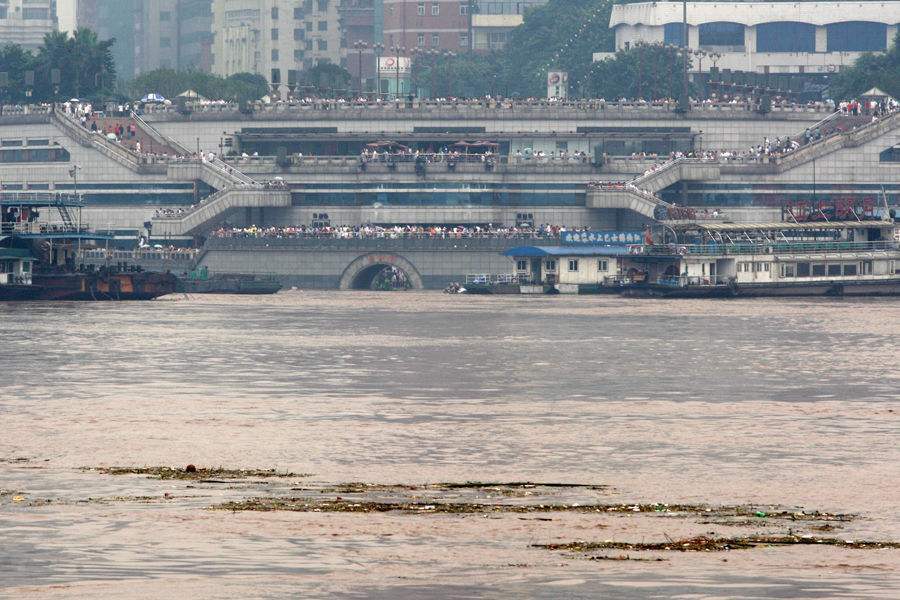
(380,272)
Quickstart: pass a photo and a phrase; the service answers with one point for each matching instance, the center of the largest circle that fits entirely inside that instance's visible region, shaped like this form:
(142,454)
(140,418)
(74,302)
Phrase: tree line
(80,65)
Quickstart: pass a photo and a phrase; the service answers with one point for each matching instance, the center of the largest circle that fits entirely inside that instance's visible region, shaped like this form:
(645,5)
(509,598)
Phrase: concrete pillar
(821,39)
(693,37)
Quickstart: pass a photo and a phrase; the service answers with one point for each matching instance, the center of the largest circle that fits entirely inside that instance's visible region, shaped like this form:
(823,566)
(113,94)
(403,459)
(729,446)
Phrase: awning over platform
(541,251)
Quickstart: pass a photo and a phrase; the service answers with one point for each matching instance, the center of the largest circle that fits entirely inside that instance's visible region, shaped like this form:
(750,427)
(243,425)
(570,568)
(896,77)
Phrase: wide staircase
(640,194)
(215,208)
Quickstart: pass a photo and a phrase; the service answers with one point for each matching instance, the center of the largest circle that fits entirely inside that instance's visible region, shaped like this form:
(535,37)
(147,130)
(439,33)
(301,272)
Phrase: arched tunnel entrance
(380,272)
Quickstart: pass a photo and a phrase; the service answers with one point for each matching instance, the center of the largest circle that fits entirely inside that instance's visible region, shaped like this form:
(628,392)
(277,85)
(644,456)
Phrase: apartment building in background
(26,22)
(172,34)
(441,25)
(277,39)
(493,20)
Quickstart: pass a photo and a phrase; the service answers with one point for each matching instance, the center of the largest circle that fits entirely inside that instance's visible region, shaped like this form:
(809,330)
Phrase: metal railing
(38,228)
(769,248)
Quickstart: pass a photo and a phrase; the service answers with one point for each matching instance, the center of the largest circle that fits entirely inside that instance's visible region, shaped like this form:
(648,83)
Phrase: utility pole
(684,103)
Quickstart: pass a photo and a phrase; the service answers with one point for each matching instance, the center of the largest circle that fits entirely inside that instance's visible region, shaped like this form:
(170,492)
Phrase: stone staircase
(215,208)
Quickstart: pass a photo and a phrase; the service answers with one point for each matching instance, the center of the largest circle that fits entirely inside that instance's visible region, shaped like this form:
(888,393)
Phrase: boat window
(803,269)
(26,266)
(867,267)
(550,265)
(788,270)
(603,265)
(573,264)
(834,269)
(521,265)
(850,269)
(818,270)
(766,267)
(6,266)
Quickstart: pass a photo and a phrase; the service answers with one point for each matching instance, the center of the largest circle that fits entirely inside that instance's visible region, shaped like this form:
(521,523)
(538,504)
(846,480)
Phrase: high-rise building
(275,38)
(428,25)
(26,22)
(172,34)
(360,31)
(492,20)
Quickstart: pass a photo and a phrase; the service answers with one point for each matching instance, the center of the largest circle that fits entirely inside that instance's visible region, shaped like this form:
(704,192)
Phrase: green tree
(240,87)
(327,79)
(870,70)
(14,61)
(648,71)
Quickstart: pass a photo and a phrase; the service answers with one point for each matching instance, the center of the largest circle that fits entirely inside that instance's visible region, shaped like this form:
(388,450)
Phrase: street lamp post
(397,50)
(684,104)
(449,54)
(379,48)
(359,45)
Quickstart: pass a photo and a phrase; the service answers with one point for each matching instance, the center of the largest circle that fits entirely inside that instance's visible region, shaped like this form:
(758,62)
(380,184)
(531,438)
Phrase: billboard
(557,84)
(391,65)
(601,237)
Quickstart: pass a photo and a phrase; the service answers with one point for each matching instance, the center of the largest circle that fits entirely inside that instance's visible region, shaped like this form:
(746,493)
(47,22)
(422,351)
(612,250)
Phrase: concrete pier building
(579,164)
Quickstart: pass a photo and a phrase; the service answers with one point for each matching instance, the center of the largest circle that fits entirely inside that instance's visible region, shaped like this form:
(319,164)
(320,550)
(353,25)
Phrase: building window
(673,33)
(274,54)
(891,154)
(165,15)
(435,40)
(785,36)
(323,25)
(309,44)
(298,13)
(299,34)
(274,13)
(322,45)
(722,33)
(463,9)
(274,33)
(603,265)
(573,264)
(165,42)
(276,76)
(463,40)
(298,55)
(36,14)
(420,9)
(521,265)
(856,36)
(435,10)
(323,5)
(308,25)
(420,39)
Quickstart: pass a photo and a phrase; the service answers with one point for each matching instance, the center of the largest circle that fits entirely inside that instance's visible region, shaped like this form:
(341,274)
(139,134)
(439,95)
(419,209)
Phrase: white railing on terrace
(483,104)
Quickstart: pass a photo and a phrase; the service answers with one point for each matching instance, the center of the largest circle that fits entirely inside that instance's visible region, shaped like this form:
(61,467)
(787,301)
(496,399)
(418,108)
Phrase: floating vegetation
(192,472)
(510,488)
(364,506)
(708,544)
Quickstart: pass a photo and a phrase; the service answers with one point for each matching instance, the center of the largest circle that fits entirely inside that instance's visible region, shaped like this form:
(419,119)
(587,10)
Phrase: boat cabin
(15,266)
(568,268)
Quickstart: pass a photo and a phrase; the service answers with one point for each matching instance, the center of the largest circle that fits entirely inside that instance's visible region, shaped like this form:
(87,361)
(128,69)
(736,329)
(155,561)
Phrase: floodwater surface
(756,404)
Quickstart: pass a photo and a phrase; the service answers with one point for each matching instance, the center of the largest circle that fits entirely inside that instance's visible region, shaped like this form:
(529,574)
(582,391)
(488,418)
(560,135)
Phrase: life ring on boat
(635,249)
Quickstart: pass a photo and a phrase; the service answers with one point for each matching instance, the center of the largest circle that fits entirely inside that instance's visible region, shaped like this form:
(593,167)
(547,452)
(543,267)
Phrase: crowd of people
(398,231)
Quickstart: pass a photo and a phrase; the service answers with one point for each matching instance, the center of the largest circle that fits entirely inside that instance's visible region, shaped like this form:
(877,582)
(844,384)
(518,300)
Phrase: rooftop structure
(763,37)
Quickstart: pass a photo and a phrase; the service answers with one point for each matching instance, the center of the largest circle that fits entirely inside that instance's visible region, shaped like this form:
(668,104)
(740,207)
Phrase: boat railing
(768,247)
(681,281)
(39,228)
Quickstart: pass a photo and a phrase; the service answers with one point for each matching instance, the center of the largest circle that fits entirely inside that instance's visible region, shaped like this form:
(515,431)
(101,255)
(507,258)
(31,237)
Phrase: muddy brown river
(435,446)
